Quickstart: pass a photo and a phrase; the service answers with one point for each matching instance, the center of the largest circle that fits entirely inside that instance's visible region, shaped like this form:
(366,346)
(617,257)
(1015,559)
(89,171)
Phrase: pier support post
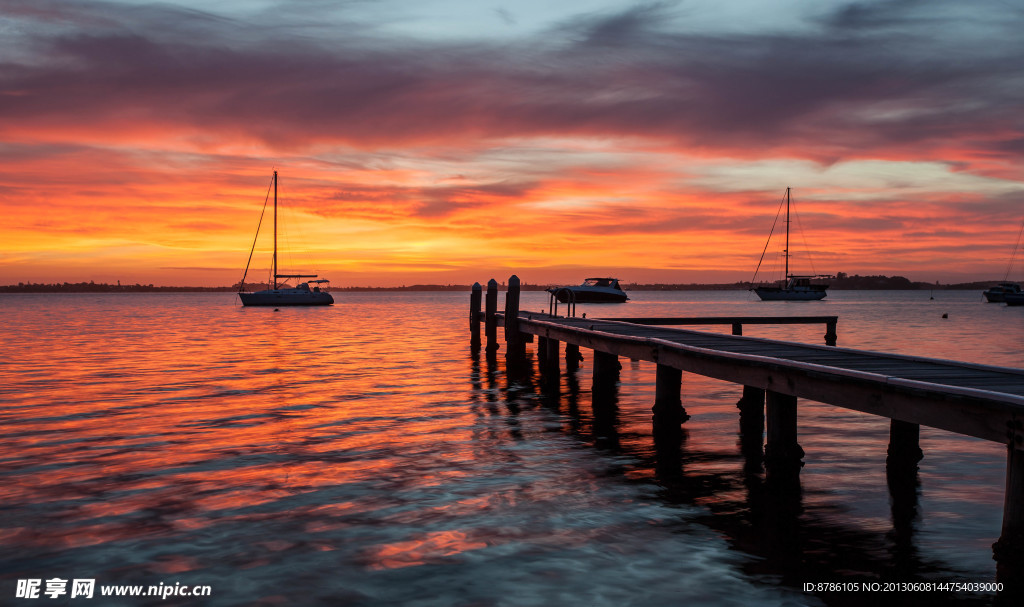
(737,328)
(669,413)
(782,453)
(513,339)
(547,355)
(475,297)
(572,357)
(1009,550)
(491,308)
(904,446)
(751,406)
(830,333)
(552,364)
(606,370)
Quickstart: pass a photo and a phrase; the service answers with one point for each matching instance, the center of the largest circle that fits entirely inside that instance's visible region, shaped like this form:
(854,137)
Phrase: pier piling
(1010,547)
(606,369)
(751,406)
(904,445)
(491,323)
(669,413)
(474,315)
(782,454)
(572,357)
(514,343)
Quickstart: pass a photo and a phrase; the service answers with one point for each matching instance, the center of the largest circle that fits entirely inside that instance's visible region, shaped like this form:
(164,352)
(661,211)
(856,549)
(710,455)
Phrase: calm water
(359,455)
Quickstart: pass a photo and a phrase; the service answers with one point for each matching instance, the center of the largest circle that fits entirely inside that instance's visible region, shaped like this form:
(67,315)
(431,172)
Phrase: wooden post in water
(904,446)
(606,369)
(1009,550)
(572,357)
(782,453)
(669,413)
(515,345)
(491,323)
(751,406)
(830,333)
(552,364)
(474,315)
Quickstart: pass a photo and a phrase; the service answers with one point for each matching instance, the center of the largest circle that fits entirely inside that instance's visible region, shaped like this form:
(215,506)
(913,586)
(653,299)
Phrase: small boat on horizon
(593,290)
(280,294)
(1001,291)
(792,287)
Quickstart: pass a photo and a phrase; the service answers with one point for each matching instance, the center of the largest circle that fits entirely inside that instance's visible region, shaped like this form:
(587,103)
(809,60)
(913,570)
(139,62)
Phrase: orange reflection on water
(430,547)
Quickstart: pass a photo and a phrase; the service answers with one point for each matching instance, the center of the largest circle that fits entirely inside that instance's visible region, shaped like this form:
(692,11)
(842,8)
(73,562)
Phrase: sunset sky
(452,141)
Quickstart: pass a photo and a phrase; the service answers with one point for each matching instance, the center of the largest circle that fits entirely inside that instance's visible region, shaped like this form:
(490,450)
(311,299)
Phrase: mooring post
(474,315)
(491,323)
(782,453)
(669,413)
(606,369)
(751,406)
(552,364)
(572,357)
(904,446)
(513,340)
(1009,550)
(830,333)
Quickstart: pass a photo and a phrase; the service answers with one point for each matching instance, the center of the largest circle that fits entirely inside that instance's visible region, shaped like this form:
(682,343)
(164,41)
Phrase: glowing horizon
(453,144)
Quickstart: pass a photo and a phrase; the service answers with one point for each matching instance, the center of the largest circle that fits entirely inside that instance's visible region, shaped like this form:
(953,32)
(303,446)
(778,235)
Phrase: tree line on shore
(840,282)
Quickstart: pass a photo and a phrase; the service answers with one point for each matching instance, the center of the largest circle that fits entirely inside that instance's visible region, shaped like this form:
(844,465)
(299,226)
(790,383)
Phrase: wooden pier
(976,400)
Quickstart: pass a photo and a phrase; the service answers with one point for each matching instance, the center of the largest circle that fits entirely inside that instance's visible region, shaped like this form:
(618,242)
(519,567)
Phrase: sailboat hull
(286,297)
(780,294)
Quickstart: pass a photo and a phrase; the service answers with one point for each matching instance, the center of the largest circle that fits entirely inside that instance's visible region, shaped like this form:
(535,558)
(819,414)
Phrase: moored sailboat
(281,294)
(792,287)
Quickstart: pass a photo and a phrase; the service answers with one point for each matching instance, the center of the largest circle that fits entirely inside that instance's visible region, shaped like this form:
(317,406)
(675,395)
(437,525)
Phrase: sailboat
(792,287)
(280,294)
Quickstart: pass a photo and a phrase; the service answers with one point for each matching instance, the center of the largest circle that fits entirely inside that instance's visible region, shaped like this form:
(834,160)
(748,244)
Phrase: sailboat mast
(274,278)
(787,230)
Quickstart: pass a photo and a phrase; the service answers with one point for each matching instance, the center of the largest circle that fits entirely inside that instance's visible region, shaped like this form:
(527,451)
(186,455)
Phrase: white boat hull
(286,297)
(1014,299)
(777,294)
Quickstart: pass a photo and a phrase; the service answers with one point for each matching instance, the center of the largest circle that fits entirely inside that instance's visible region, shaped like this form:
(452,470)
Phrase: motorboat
(593,290)
(280,293)
(791,287)
(998,293)
(1014,299)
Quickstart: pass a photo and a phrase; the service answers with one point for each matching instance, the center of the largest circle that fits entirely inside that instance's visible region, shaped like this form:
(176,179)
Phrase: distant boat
(593,290)
(280,294)
(792,287)
(998,293)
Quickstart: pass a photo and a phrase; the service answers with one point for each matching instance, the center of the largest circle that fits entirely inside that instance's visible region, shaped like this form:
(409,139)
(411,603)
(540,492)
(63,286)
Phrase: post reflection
(758,510)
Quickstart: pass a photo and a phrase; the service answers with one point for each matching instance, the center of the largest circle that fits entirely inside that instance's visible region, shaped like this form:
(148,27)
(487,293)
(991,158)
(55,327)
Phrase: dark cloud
(849,88)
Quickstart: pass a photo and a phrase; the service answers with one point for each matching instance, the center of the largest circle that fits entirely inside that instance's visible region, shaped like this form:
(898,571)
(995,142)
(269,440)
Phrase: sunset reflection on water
(364,450)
